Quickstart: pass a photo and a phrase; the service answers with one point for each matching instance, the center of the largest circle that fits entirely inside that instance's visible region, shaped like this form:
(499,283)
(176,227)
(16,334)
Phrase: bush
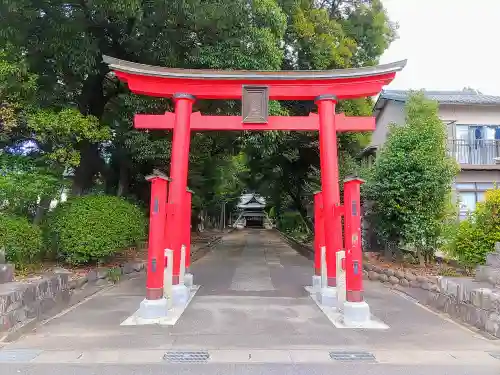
(21,240)
(477,235)
(92,228)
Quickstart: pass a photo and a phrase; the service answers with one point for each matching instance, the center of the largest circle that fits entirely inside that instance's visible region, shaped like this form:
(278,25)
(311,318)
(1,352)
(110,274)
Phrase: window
(469,194)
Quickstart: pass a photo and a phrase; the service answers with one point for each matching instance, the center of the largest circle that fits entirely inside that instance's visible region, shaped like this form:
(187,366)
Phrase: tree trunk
(388,251)
(91,102)
(302,211)
(123,181)
(85,172)
(41,210)
(421,257)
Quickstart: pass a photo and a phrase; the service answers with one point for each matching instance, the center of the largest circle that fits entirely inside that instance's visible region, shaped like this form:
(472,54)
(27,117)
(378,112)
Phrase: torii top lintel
(227,84)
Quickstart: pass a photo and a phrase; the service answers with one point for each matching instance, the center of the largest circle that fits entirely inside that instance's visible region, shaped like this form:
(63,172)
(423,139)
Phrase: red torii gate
(255,89)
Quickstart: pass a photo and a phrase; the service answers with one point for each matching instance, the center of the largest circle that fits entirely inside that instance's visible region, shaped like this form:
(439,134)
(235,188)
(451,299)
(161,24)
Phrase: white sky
(449,44)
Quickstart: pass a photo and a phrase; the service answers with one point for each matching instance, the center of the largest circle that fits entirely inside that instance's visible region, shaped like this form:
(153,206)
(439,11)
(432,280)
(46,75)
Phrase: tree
(320,35)
(410,182)
(71,38)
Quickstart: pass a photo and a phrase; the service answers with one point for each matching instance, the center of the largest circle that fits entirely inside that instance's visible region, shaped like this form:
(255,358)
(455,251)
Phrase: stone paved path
(251,308)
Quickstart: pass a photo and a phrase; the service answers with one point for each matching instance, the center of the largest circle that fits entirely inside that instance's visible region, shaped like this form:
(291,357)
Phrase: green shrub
(476,236)
(92,228)
(21,240)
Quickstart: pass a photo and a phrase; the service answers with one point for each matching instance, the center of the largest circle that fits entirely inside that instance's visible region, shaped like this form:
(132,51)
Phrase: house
(473,123)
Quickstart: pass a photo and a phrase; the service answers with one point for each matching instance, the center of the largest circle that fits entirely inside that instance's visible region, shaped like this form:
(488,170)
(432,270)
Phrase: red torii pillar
(179,173)
(188,277)
(319,232)
(356,310)
(329,181)
(155,305)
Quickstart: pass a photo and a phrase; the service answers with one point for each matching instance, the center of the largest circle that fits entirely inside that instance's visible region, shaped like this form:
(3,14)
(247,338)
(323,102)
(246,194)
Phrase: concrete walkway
(252,308)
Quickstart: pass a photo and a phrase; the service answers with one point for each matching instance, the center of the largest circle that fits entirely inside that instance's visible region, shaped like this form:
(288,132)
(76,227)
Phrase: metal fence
(478,152)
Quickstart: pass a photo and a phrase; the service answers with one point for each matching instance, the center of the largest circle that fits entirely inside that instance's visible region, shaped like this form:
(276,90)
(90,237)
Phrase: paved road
(250,316)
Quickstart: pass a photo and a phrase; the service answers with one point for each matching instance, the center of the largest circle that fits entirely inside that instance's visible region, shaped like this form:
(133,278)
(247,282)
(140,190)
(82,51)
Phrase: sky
(449,44)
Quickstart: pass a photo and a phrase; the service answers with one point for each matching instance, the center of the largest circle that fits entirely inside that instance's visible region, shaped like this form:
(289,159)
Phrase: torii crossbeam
(301,123)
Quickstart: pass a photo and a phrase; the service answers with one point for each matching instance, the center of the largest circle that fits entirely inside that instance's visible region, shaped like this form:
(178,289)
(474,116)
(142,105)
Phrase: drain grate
(495,355)
(187,357)
(18,355)
(352,356)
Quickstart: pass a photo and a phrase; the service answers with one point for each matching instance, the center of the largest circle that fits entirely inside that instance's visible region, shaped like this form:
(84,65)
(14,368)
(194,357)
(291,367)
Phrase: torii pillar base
(180,295)
(153,309)
(356,314)
(188,280)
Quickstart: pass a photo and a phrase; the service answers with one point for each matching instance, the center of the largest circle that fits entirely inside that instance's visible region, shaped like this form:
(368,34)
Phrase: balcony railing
(478,152)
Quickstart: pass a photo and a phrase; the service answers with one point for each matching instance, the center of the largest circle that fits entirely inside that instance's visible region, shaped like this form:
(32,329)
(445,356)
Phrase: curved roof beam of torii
(227,84)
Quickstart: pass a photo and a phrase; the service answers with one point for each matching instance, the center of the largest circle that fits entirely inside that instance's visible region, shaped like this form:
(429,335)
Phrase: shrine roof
(251,75)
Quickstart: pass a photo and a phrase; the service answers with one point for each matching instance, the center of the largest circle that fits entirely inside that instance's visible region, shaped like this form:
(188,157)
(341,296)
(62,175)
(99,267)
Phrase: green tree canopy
(411,180)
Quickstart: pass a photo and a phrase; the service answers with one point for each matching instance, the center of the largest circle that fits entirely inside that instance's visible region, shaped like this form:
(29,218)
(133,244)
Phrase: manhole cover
(19,355)
(495,355)
(187,357)
(352,356)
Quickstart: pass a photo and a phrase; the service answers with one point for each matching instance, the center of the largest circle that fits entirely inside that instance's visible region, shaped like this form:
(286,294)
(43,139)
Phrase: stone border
(372,272)
(25,303)
(478,307)
(403,278)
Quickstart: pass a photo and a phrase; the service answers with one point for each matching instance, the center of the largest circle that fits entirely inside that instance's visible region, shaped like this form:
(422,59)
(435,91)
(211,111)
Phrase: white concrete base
(316,282)
(170,319)
(180,295)
(337,318)
(356,314)
(328,297)
(153,309)
(188,280)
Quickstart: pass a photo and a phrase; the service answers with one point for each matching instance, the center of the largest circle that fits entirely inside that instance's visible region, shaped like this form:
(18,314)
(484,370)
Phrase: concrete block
(6,273)
(356,314)
(316,282)
(492,325)
(180,295)
(153,309)
(476,296)
(189,280)
(497,247)
(328,297)
(493,260)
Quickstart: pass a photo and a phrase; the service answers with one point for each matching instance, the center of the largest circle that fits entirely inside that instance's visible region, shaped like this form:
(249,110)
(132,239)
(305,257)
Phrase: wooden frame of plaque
(255,104)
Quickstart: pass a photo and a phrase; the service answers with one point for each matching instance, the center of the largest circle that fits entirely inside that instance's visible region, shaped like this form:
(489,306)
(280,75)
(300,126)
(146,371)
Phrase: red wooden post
(319,231)
(329,181)
(157,216)
(354,256)
(178,173)
(187,226)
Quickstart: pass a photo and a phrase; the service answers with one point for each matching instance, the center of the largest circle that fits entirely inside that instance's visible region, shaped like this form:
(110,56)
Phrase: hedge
(92,228)
(21,240)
